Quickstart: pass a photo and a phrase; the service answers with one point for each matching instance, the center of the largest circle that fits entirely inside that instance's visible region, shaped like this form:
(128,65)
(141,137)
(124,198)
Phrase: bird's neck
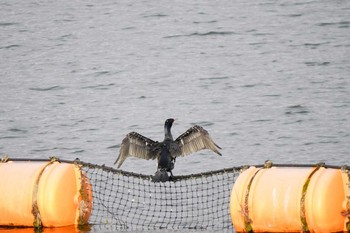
(167,132)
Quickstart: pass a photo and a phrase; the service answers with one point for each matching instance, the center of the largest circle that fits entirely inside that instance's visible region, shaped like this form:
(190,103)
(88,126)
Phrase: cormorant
(194,139)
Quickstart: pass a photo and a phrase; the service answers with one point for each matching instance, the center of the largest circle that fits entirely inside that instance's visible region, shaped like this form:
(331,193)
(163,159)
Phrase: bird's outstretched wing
(136,145)
(194,139)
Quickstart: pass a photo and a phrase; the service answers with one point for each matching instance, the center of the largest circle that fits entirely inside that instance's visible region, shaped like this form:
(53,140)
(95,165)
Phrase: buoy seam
(348,197)
(37,223)
(247,220)
(304,226)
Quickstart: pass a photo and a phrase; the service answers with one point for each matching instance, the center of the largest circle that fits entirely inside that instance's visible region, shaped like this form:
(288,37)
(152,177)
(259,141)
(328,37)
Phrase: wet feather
(194,139)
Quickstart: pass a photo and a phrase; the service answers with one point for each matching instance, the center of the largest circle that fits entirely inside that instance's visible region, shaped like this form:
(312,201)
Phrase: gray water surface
(267,79)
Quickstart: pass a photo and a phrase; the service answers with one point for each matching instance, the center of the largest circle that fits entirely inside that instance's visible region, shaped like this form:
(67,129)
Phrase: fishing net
(125,200)
(128,201)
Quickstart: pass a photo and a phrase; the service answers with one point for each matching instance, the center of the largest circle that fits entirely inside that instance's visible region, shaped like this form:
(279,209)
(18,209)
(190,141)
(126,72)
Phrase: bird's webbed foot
(171,177)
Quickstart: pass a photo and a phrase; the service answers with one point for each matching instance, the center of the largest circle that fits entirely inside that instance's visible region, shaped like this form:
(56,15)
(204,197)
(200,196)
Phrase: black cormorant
(194,139)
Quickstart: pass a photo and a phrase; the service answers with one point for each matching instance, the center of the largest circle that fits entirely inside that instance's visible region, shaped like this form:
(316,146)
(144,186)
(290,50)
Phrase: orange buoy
(326,201)
(65,229)
(290,199)
(49,194)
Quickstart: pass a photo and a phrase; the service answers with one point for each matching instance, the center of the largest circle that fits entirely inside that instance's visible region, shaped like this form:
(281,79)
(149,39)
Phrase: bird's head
(169,122)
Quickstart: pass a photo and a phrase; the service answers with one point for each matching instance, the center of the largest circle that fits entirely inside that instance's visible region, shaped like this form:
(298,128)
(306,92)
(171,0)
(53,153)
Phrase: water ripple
(100,73)
(99,86)
(78,151)
(155,15)
(10,46)
(317,63)
(341,24)
(53,88)
(210,33)
(314,45)
(205,22)
(116,146)
(296,109)
(11,137)
(203,123)
(6,24)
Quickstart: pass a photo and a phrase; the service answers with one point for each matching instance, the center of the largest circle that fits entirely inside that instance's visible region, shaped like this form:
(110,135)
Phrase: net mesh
(125,200)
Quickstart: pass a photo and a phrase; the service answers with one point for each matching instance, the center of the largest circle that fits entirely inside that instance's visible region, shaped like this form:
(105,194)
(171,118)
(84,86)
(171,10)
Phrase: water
(267,79)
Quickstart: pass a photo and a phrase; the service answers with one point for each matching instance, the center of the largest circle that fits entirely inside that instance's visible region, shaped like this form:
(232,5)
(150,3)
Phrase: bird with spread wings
(194,139)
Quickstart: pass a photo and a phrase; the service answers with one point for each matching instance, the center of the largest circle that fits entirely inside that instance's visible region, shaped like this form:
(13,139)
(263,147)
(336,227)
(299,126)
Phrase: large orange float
(43,194)
(290,199)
